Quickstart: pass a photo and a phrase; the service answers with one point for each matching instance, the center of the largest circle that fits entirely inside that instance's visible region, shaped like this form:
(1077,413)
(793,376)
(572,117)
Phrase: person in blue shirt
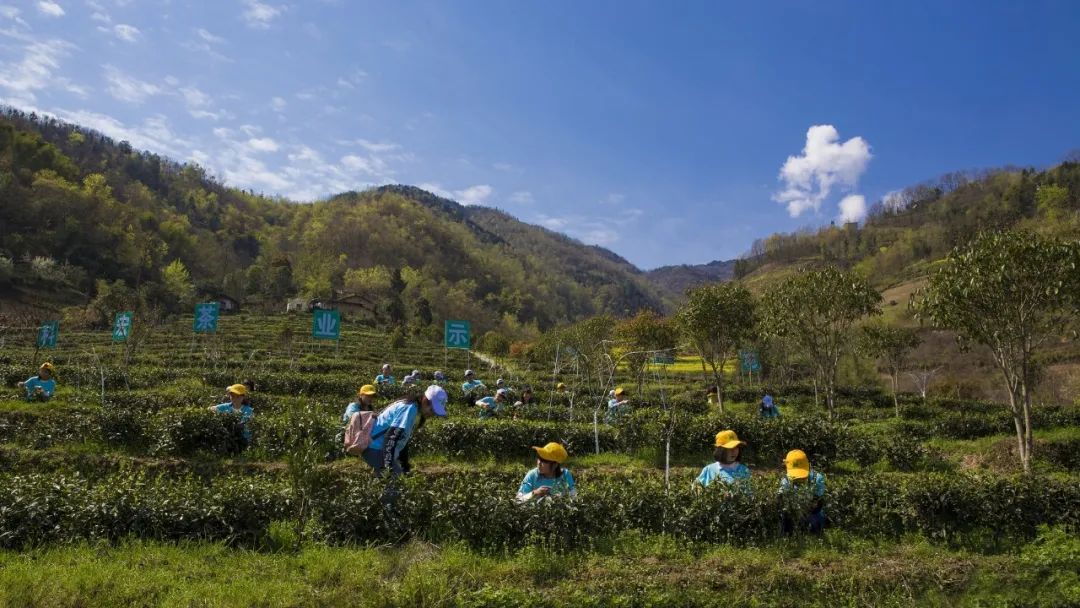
(491,406)
(42,386)
(384,378)
(800,479)
(412,378)
(727,469)
(617,406)
(768,408)
(549,479)
(237,394)
(396,424)
(439,378)
(471,383)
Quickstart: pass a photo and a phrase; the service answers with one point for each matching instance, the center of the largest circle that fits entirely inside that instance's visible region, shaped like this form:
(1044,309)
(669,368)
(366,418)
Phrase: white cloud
(208,37)
(603,231)
(259,15)
(521,197)
(852,208)
(10,12)
(37,71)
(101,17)
(473,195)
(278,104)
(128,88)
(250,130)
(127,33)
(371,165)
(825,163)
(194,98)
(154,134)
(262,144)
(614,198)
(50,8)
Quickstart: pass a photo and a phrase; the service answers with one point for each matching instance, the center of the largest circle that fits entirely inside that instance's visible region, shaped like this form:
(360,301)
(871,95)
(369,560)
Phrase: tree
(717,319)
(1011,291)
(643,335)
(891,346)
(816,310)
(177,282)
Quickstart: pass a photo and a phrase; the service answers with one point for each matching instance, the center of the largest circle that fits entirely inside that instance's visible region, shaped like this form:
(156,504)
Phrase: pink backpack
(358,432)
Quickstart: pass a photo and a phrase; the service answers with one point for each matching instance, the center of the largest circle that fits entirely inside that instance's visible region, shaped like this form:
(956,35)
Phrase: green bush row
(480,509)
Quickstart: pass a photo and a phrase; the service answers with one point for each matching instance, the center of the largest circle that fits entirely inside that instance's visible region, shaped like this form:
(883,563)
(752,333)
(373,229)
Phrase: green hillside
(86,219)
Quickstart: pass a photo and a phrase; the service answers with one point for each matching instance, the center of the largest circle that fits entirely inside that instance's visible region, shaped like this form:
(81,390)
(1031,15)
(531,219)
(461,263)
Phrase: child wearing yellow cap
(40,387)
(549,478)
(801,478)
(237,394)
(727,469)
(617,406)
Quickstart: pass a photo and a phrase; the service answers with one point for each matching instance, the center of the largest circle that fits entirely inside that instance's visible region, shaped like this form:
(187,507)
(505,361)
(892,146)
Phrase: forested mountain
(909,230)
(85,216)
(674,280)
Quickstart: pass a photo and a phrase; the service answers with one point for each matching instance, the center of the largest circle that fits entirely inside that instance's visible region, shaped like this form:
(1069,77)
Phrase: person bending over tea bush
(727,469)
(237,395)
(471,383)
(41,386)
(768,408)
(802,480)
(384,377)
(396,424)
(365,402)
(549,479)
(526,403)
(491,406)
(617,406)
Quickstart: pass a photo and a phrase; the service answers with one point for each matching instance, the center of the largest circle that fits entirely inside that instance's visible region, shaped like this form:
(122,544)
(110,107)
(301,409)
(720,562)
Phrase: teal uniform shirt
(245,415)
(48,387)
(728,475)
(562,485)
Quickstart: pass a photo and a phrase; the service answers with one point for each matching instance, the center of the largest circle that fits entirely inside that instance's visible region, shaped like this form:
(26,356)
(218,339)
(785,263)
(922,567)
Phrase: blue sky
(668,132)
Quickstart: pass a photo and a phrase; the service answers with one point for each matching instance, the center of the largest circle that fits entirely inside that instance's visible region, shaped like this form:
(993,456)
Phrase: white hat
(469,372)
(437,396)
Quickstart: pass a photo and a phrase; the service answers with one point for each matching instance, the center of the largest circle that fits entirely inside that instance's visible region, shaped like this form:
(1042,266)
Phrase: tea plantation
(124,490)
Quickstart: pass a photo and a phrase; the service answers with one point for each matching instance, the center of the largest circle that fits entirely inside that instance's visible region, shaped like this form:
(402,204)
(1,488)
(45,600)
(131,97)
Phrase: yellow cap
(798,465)
(237,389)
(728,439)
(48,366)
(553,451)
(368,390)
(560,386)
(619,391)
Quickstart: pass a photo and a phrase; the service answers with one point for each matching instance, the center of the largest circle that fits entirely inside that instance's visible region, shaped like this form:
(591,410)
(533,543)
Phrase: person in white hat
(471,382)
(491,406)
(395,426)
(384,377)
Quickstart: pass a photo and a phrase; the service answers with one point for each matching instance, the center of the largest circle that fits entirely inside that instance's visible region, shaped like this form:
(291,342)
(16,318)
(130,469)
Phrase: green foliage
(816,311)
(717,319)
(177,283)
(892,346)
(641,336)
(1012,292)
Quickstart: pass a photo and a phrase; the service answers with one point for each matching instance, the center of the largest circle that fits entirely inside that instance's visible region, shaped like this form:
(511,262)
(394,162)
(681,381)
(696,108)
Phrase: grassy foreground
(628,571)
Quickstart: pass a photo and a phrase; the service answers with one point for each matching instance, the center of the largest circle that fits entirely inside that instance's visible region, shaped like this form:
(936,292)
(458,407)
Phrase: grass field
(123,490)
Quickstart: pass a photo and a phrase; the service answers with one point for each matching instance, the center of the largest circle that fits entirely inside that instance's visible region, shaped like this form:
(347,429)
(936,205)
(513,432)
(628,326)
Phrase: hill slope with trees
(86,219)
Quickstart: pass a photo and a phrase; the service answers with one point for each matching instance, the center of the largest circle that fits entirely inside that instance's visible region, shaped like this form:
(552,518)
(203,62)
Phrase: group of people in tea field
(383,435)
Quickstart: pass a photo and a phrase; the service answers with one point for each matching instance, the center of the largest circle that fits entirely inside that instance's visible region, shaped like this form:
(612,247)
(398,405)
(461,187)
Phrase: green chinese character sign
(121,327)
(457,334)
(47,334)
(206,316)
(326,325)
(748,361)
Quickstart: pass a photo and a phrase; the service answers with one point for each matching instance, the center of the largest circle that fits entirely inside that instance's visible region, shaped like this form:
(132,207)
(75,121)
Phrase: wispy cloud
(208,37)
(123,31)
(126,87)
(50,9)
(12,13)
(278,104)
(472,195)
(38,70)
(591,230)
(259,15)
(521,197)
(824,164)
(262,144)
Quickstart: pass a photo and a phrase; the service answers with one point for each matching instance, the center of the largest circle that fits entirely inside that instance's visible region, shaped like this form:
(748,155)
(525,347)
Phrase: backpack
(358,432)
